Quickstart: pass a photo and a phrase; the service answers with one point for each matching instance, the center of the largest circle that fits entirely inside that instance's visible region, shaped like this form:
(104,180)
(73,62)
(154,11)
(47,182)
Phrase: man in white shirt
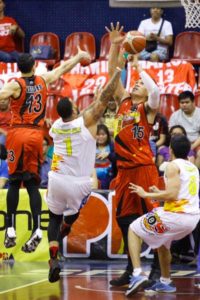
(188,116)
(150,28)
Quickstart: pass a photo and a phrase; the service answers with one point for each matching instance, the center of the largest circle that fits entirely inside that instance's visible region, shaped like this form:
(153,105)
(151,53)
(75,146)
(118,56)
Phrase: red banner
(172,77)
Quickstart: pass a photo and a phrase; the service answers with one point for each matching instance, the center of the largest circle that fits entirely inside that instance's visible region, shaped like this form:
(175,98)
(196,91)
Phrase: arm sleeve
(153,90)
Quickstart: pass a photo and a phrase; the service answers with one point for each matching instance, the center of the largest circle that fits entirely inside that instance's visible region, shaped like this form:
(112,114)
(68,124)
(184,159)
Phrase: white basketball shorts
(65,193)
(159,228)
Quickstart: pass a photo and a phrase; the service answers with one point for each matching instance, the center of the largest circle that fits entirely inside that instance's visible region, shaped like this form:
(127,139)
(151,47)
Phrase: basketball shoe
(10,237)
(32,244)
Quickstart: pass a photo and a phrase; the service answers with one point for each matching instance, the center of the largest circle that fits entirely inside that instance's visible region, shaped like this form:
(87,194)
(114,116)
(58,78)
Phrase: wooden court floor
(84,280)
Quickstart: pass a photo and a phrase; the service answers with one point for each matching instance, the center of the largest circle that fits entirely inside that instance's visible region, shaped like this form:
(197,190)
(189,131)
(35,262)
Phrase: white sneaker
(10,237)
(32,244)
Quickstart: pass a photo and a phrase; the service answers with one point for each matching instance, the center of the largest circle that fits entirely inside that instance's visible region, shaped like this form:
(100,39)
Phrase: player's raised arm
(93,113)
(116,58)
(65,67)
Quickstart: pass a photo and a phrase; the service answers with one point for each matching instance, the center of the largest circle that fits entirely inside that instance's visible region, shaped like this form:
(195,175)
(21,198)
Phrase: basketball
(134,42)
(85,62)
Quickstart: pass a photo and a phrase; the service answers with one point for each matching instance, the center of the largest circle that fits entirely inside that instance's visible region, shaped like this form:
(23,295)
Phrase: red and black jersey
(29,107)
(132,141)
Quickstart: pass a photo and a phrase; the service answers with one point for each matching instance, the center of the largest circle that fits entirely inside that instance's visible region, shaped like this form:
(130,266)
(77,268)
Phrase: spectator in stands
(109,115)
(5,117)
(46,165)
(3,167)
(188,116)
(105,157)
(150,28)
(9,29)
(28,96)
(159,132)
(163,152)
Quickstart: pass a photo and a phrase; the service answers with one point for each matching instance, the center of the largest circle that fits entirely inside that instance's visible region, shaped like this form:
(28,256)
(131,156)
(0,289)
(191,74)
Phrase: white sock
(137,271)
(165,280)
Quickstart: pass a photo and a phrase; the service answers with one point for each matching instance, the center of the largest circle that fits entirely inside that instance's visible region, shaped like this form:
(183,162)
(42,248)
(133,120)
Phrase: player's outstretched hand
(115,33)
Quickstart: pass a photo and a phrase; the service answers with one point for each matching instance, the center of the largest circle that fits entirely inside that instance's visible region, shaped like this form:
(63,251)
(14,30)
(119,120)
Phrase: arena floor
(84,280)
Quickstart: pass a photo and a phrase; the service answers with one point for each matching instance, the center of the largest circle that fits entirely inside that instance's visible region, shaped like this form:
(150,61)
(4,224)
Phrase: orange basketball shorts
(128,203)
(24,147)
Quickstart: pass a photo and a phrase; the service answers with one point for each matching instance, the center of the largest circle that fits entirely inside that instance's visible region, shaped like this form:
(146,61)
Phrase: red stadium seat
(186,47)
(51,112)
(104,47)
(168,104)
(197,99)
(85,40)
(47,38)
(84,101)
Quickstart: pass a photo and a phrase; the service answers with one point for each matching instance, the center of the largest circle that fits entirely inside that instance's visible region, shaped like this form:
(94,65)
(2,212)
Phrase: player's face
(139,90)
(187,106)
(102,137)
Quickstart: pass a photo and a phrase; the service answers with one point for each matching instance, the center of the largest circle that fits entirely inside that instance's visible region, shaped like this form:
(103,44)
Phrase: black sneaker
(33,242)
(154,275)
(54,270)
(10,237)
(124,279)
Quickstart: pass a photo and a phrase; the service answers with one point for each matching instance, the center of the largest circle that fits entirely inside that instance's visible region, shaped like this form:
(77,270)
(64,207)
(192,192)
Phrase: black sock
(12,202)
(35,201)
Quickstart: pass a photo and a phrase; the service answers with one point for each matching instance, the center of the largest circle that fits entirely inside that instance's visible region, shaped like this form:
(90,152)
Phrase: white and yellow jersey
(188,197)
(74,148)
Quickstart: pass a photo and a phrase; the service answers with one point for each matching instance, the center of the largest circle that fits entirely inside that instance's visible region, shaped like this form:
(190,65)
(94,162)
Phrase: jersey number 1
(68,144)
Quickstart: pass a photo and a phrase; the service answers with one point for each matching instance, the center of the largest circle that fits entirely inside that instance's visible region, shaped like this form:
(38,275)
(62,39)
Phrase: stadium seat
(85,40)
(51,112)
(47,38)
(168,104)
(104,47)
(186,47)
(84,101)
(197,99)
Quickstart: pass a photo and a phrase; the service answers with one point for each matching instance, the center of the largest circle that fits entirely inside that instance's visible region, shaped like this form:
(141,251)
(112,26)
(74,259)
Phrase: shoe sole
(153,292)
(54,275)
(136,287)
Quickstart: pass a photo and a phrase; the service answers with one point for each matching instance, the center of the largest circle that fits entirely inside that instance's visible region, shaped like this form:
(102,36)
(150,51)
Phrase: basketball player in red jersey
(136,116)
(28,96)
